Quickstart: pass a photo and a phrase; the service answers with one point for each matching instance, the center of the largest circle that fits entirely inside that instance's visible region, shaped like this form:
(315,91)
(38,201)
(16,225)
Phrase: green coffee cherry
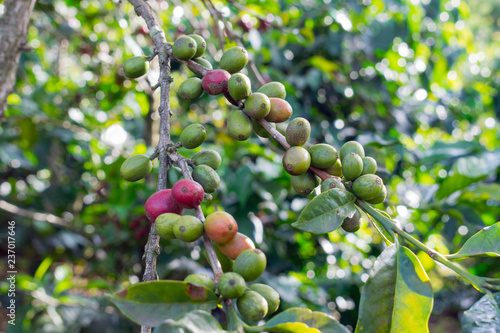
(257,105)
(190,89)
(201,45)
(188,228)
(252,306)
(136,167)
(207,157)
(296,161)
(250,264)
(331,183)
(184,48)
(298,132)
(380,197)
(352,166)
(352,224)
(261,131)
(305,183)
(164,225)
(239,125)
(273,89)
(351,147)
(231,285)
(207,178)
(369,165)
(323,155)
(234,59)
(272,297)
(201,280)
(135,67)
(336,169)
(205,63)
(239,86)
(367,187)
(193,136)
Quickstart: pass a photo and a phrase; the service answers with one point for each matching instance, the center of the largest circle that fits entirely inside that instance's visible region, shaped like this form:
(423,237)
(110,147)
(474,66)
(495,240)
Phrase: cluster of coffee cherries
(242,263)
(254,301)
(358,173)
(267,103)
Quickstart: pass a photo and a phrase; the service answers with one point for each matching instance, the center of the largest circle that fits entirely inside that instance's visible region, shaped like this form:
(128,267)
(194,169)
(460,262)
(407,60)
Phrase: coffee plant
(258,166)
(397,296)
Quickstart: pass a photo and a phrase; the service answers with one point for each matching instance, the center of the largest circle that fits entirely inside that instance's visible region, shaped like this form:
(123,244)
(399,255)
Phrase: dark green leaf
(485,243)
(299,320)
(326,212)
(483,316)
(150,303)
(398,296)
(195,322)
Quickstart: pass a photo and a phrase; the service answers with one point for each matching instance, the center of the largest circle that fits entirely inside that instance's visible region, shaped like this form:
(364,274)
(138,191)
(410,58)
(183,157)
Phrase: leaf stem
(478,282)
(234,323)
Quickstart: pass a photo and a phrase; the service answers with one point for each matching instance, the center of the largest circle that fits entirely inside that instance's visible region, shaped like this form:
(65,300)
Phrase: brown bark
(13,30)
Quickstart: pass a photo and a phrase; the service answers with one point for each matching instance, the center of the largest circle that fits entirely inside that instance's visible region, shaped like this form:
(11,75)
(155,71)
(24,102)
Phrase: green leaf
(151,303)
(398,296)
(299,320)
(443,150)
(195,322)
(326,212)
(468,170)
(484,243)
(483,316)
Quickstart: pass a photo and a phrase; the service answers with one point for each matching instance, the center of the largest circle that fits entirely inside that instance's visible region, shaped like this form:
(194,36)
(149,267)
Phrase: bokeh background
(417,82)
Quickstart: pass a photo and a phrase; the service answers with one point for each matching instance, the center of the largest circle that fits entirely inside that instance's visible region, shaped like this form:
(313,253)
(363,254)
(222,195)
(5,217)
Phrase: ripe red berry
(215,81)
(188,193)
(161,202)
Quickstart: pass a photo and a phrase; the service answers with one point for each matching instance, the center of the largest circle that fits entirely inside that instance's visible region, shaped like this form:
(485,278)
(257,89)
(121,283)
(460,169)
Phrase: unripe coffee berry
(231,285)
(273,89)
(234,59)
(184,48)
(351,147)
(252,306)
(201,280)
(201,45)
(188,228)
(296,161)
(250,264)
(352,166)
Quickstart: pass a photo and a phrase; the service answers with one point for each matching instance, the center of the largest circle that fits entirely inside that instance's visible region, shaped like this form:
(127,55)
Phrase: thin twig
(164,50)
(47,217)
(213,13)
(242,8)
(235,38)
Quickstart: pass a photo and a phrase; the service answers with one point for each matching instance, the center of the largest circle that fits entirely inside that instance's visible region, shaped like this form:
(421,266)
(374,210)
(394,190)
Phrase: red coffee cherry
(188,193)
(161,202)
(215,81)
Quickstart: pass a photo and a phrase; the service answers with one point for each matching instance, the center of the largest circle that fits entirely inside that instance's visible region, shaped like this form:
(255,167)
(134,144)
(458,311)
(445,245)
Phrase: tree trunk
(13,29)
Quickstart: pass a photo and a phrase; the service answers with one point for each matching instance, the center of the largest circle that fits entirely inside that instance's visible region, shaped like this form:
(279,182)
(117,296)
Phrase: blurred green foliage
(416,82)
